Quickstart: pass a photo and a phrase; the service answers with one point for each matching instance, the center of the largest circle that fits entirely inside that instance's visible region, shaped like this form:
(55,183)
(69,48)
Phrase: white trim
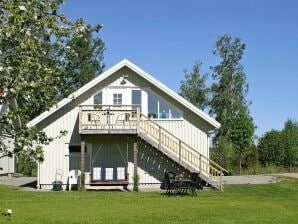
(109,72)
(166,119)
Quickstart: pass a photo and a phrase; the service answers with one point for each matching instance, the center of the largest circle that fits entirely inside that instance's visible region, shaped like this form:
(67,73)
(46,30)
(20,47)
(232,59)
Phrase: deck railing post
(138,119)
(179,151)
(159,137)
(109,117)
(200,158)
(220,180)
(80,119)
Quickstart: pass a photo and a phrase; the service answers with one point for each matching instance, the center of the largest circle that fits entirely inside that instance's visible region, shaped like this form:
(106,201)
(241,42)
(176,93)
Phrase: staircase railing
(180,149)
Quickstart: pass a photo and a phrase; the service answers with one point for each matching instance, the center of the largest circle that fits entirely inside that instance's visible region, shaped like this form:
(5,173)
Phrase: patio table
(182,185)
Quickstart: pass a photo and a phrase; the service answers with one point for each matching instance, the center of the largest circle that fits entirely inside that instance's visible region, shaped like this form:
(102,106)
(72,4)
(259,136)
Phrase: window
(98,98)
(136,97)
(117,98)
(158,108)
(76,148)
(152,105)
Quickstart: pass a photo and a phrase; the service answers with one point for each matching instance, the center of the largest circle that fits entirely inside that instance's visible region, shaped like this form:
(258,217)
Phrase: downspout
(209,134)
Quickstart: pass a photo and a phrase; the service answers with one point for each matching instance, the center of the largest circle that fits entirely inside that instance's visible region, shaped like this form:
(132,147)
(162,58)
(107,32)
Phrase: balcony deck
(109,119)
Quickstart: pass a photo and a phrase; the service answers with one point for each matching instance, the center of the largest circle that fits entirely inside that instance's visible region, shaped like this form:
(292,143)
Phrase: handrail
(191,148)
(189,155)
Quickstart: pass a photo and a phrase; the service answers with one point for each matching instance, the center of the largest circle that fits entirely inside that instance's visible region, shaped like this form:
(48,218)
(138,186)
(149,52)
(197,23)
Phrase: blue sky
(166,37)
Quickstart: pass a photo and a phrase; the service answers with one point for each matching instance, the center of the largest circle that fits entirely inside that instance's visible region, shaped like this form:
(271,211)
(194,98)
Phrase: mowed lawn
(271,203)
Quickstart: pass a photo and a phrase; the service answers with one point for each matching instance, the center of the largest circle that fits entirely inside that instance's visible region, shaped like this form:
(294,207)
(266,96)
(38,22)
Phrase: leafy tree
(230,89)
(241,134)
(271,148)
(34,58)
(290,142)
(193,87)
(87,63)
(280,147)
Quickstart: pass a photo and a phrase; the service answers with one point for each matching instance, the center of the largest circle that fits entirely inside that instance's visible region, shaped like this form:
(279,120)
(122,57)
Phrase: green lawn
(271,203)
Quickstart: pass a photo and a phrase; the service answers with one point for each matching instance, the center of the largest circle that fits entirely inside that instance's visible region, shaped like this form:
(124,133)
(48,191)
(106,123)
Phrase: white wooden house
(125,123)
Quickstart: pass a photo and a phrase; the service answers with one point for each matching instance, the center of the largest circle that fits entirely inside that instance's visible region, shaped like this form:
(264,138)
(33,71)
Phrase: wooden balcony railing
(94,119)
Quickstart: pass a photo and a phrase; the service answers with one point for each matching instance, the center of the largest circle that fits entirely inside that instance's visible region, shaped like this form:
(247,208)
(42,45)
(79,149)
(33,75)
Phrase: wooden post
(138,119)
(135,157)
(200,163)
(220,180)
(80,119)
(179,151)
(83,164)
(159,137)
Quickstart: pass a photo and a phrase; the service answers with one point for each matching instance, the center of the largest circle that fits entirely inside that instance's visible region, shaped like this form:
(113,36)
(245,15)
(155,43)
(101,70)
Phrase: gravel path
(257,179)
(250,179)
(27,183)
(293,175)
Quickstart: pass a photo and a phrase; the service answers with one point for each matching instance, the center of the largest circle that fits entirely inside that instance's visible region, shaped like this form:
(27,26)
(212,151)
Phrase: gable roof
(111,71)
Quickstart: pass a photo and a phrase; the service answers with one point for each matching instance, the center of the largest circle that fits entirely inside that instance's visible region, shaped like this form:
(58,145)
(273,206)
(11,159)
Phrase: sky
(166,37)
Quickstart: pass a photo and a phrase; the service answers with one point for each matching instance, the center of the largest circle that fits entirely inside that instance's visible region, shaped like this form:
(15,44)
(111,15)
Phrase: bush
(26,166)
(136,183)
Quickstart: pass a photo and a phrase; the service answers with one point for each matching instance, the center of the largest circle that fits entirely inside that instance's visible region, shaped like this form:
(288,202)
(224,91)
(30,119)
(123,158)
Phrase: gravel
(251,179)
(27,183)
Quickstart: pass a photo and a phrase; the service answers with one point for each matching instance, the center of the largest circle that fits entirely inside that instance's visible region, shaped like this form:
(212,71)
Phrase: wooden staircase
(180,152)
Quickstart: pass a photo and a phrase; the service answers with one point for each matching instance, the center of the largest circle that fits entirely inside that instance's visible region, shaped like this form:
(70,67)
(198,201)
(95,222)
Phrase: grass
(271,203)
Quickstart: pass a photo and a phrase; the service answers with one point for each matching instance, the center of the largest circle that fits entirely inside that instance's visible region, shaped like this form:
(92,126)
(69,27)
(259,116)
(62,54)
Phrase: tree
(88,61)
(290,143)
(271,149)
(193,87)
(34,58)
(230,89)
(280,148)
(241,134)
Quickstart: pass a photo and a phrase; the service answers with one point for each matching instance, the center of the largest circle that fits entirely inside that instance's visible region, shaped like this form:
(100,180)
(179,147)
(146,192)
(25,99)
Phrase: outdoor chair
(122,120)
(195,183)
(97,120)
(169,185)
(74,178)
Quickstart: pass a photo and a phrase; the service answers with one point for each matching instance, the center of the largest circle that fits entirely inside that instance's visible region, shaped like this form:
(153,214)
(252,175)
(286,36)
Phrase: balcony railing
(96,119)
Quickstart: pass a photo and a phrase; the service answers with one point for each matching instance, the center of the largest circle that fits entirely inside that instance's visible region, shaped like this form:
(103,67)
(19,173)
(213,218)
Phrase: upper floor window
(98,98)
(136,98)
(117,98)
(158,108)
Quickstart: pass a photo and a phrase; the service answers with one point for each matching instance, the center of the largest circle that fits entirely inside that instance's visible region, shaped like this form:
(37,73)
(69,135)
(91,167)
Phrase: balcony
(109,119)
